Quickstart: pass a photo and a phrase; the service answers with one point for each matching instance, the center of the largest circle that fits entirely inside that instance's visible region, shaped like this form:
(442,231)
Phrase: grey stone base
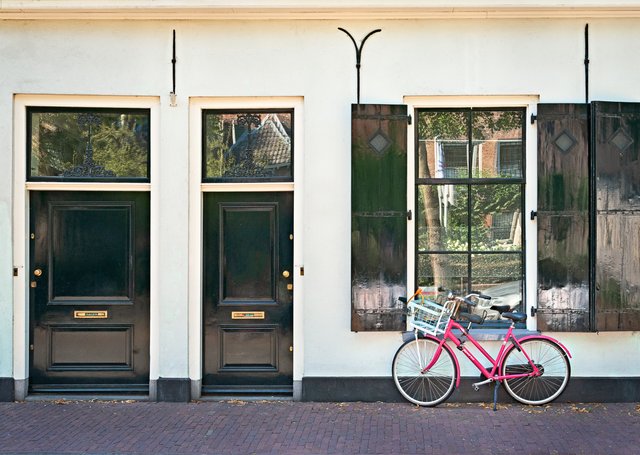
(7,389)
(368,389)
(173,389)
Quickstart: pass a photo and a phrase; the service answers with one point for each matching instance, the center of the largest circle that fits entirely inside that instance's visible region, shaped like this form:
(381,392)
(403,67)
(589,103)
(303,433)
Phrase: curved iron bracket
(359,53)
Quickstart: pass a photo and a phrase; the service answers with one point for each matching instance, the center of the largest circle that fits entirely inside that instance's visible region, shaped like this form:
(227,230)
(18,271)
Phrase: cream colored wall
(313,61)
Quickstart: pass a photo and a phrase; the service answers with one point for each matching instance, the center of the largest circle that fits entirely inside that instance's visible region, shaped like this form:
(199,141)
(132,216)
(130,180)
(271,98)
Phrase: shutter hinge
(534,311)
(409,215)
(409,120)
(534,117)
(534,214)
(15,271)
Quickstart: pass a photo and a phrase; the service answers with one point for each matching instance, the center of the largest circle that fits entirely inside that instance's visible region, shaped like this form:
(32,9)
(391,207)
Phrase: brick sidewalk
(237,427)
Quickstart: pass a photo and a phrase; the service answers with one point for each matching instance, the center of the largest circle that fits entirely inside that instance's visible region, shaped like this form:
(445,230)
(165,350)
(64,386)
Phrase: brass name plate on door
(101,314)
(247,315)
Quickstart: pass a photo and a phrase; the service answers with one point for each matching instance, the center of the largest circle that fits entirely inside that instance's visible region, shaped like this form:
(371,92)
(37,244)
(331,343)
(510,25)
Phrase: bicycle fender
(564,348)
(453,354)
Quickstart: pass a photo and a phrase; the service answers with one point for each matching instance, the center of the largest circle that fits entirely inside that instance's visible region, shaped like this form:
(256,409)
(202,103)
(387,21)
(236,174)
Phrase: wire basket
(428,316)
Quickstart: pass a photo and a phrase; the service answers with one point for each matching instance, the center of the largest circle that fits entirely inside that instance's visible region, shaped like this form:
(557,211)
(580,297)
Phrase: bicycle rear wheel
(552,362)
(429,388)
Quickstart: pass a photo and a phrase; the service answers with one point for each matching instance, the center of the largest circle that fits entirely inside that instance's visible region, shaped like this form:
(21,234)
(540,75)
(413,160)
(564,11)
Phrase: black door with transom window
(248,293)
(89,281)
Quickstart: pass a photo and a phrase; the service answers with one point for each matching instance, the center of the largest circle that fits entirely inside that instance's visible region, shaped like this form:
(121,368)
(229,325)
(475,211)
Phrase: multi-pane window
(247,145)
(87,144)
(469,203)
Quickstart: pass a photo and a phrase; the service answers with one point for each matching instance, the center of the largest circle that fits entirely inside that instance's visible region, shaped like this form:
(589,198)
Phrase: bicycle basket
(428,316)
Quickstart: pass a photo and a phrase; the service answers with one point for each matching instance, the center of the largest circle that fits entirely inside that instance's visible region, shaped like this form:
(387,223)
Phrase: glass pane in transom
(248,145)
(88,144)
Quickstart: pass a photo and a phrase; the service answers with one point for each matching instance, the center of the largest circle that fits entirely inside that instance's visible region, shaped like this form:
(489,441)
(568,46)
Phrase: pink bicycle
(534,369)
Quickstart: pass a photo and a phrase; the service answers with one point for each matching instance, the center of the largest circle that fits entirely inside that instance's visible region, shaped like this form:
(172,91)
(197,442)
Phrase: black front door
(248,293)
(89,283)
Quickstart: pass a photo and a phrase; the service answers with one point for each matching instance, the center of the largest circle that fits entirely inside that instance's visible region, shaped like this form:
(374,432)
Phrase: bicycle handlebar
(451,296)
(467,299)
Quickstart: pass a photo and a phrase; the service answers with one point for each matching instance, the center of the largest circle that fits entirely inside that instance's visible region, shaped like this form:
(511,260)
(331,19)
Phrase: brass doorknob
(37,272)
(285,274)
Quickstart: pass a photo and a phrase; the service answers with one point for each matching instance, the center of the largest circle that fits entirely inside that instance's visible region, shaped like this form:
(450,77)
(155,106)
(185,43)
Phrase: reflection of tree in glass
(485,200)
(59,143)
(120,145)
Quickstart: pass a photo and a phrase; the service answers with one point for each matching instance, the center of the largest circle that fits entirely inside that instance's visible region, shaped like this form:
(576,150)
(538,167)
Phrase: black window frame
(203,156)
(30,110)
(470,181)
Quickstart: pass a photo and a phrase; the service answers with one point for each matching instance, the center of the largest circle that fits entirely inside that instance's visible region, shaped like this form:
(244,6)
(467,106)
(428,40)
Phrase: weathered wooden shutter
(616,135)
(563,218)
(378,215)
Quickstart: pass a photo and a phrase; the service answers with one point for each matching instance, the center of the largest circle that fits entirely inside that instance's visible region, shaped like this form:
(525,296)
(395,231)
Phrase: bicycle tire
(550,358)
(424,389)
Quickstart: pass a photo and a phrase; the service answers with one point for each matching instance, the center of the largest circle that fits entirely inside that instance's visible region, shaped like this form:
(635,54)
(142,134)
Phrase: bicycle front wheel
(429,388)
(554,367)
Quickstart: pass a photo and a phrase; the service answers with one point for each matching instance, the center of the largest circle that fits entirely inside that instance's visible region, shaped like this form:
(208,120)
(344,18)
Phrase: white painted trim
(87,186)
(196,190)
(531,187)
(301,10)
(246,187)
(21,189)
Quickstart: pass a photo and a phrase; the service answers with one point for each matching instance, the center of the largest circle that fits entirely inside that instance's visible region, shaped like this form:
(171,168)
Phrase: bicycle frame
(495,363)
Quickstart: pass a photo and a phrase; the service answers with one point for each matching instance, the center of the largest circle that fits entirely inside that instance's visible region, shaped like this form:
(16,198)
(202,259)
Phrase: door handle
(37,272)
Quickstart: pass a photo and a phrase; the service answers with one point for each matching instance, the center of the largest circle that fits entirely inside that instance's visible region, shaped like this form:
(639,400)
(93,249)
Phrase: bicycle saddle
(475,318)
(515,316)
(500,308)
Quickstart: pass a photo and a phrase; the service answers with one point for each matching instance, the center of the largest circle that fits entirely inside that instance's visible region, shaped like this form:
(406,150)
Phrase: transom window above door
(247,145)
(88,144)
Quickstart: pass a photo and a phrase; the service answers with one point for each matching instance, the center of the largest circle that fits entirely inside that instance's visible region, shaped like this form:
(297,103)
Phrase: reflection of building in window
(453,159)
(470,198)
(509,159)
(264,150)
(506,227)
(248,145)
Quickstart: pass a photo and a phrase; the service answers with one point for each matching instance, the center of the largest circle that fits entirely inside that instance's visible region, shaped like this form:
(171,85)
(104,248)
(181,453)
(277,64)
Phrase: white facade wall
(311,61)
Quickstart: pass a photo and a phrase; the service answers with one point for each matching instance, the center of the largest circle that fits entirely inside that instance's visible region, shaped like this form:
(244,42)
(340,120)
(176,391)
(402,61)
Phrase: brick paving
(238,427)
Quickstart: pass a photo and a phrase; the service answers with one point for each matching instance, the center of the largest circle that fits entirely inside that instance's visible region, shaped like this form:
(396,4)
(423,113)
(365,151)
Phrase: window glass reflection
(248,145)
(88,144)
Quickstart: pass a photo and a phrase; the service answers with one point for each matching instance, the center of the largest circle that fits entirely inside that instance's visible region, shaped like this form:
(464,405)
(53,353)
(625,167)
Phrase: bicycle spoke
(553,367)
(424,388)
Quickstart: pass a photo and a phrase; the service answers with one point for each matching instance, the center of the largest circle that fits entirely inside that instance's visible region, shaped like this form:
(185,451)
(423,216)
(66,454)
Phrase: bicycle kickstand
(495,396)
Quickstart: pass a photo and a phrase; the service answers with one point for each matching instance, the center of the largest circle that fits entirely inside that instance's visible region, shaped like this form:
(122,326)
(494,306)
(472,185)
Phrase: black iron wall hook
(172,94)
(359,53)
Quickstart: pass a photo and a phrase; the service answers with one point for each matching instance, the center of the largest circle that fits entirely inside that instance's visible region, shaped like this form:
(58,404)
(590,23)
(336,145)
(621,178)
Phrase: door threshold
(246,393)
(85,397)
(240,398)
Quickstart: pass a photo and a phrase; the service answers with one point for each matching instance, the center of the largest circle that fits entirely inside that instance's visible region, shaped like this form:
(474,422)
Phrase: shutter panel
(616,134)
(378,216)
(563,218)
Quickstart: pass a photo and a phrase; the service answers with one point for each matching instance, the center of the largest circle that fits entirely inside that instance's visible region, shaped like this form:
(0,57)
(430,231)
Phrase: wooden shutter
(378,215)
(563,218)
(616,135)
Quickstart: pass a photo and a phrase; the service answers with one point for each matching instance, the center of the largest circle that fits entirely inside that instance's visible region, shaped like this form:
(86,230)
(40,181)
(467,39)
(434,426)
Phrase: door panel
(247,292)
(89,291)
